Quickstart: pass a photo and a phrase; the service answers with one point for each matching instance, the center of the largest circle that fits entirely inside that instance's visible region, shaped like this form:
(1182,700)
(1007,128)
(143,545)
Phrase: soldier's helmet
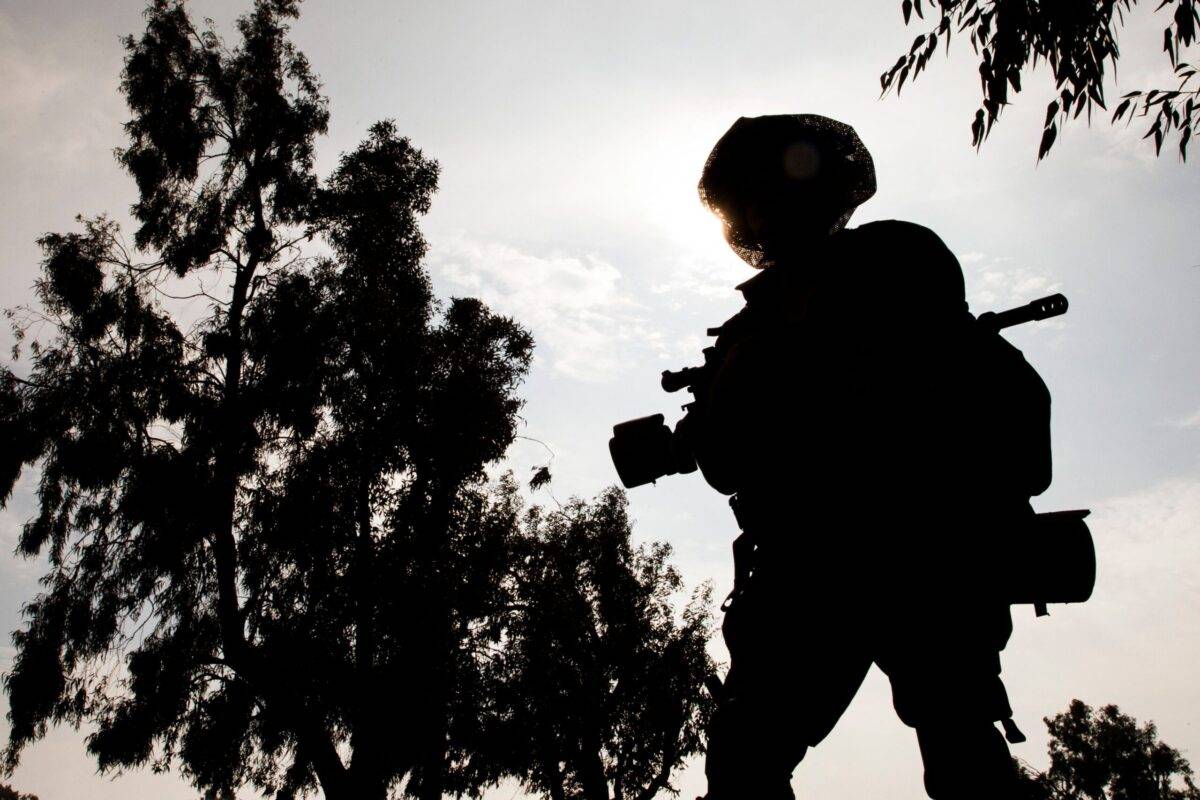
(809,170)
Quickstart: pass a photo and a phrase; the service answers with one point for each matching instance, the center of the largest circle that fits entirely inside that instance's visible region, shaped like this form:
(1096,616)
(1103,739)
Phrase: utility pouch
(1050,558)
(743,554)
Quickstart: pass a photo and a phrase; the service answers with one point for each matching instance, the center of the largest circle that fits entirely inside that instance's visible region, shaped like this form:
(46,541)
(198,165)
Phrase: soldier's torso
(870,390)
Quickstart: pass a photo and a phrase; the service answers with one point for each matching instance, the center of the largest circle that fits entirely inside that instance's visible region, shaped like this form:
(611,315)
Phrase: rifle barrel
(1042,308)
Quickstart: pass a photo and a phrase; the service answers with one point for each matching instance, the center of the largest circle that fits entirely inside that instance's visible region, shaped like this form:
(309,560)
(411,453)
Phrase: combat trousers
(802,635)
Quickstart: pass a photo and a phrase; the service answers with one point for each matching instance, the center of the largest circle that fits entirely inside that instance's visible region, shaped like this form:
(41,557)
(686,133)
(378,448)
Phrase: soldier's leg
(966,759)
(946,684)
(750,755)
(790,679)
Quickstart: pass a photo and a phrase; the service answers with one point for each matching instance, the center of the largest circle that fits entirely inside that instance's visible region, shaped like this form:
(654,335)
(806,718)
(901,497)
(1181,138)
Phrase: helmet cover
(779,159)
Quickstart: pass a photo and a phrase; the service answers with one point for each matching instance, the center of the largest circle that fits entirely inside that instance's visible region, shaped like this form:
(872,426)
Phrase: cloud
(701,277)
(62,106)
(1123,145)
(994,284)
(31,79)
(22,506)
(584,322)
(1148,550)
(1190,422)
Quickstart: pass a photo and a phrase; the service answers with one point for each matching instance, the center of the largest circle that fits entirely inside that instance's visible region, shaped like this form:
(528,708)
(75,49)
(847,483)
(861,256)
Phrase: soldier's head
(780,182)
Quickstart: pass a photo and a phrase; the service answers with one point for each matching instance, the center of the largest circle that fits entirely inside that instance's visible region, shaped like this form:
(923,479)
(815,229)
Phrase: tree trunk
(554,781)
(440,646)
(366,727)
(358,788)
(226,477)
(311,736)
(433,783)
(433,771)
(352,790)
(591,776)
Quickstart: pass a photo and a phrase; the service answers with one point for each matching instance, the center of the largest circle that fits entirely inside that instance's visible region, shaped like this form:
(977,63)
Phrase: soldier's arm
(734,415)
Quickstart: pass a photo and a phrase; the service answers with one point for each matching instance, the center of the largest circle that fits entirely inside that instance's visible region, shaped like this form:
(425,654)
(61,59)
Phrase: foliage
(1105,755)
(1077,40)
(275,518)
(9,793)
(599,685)
(541,478)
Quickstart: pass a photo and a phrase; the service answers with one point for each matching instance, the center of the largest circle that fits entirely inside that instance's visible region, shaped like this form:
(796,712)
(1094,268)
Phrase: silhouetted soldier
(879,441)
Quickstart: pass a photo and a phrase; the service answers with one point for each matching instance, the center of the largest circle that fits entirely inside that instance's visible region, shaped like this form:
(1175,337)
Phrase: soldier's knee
(921,700)
(738,774)
(750,787)
(747,757)
(966,760)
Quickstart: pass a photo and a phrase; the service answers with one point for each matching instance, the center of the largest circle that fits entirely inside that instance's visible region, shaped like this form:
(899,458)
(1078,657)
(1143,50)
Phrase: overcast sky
(571,137)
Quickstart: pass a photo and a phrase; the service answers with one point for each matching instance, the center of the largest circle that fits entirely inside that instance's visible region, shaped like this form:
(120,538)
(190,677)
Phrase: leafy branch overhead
(1078,40)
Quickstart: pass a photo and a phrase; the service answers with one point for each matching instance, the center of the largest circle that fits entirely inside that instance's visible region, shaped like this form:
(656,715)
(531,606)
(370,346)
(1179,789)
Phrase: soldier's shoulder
(887,234)
(901,265)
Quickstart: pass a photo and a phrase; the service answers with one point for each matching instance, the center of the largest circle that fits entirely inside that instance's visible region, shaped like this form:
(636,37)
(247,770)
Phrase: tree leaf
(1048,137)
(1185,32)
(1051,111)
(541,477)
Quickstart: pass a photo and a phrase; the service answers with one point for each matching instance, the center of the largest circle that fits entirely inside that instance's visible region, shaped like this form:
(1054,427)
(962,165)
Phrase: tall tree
(1078,40)
(276,517)
(1103,754)
(601,687)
